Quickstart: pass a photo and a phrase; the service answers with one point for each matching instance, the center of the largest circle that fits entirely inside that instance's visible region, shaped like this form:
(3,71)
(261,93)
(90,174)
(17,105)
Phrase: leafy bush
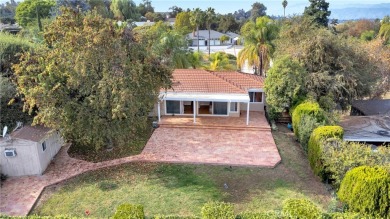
(217,210)
(306,126)
(301,208)
(262,215)
(126,211)
(366,190)
(307,108)
(339,157)
(174,217)
(38,217)
(315,147)
(346,215)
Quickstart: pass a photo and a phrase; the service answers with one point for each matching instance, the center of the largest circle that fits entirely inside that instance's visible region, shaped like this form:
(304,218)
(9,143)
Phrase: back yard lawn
(183,189)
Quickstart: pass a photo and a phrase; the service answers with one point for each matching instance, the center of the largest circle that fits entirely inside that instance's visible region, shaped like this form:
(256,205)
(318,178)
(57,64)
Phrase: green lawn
(183,189)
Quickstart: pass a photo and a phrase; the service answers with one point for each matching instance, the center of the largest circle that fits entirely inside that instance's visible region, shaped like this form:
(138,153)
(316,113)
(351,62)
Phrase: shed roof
(366,128)
(372,107)
(31,133)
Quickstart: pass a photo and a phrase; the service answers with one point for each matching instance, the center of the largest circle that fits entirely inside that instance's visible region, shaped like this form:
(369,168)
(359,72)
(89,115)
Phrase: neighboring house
(10,28)
(214,38)
(369,122)
(370,107)
(28,150)
(204,93)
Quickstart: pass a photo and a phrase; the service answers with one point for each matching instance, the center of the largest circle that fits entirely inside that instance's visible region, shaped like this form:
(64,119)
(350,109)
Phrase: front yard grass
(174,189)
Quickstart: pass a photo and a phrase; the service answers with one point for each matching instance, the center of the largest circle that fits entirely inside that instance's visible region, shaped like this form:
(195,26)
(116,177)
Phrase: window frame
(44,146)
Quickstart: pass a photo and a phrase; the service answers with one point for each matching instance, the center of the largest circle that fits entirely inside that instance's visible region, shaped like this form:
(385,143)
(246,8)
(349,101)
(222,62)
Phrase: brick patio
(213,140)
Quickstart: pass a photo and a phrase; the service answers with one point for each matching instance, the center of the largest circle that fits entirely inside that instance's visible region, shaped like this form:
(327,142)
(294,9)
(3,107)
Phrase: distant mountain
(361,11)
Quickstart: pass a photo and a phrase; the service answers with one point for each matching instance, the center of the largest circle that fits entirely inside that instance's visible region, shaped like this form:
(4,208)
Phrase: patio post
(194,111)
(247,114)
(159,111)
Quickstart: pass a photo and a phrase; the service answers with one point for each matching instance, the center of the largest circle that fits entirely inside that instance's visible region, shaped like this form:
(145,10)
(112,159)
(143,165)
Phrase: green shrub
(366,190)
(346,215)
(129,211)
(38,217)
(306,127)
(262,215)
(307,108)
(316,144)
(301,208)
(339,157)
(174,217)
(217,210)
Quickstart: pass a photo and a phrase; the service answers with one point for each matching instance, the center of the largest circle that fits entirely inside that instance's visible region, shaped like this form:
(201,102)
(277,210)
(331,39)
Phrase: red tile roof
(202,81)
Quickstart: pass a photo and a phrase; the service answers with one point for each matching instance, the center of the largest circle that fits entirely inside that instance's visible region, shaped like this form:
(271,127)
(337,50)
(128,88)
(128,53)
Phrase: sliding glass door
(220,108)
(173,106)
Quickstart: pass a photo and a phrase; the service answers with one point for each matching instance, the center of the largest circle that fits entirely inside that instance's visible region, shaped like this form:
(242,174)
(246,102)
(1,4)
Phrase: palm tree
(196,19)
(209,19)
(258,45)
(284,3)
(384,32)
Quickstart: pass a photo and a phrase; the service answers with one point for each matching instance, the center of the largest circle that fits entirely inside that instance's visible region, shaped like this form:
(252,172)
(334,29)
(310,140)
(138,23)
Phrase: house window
(256,97)
(173,107)
(44,146)
(220,108)
(233,107)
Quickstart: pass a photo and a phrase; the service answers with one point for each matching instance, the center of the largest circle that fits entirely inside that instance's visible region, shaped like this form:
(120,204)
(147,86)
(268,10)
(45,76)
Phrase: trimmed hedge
(307,108)
(174,217)
(346,215)
(301,208)
(217,210)
(366,190)
(316,144)
(262,215)
(129,211)
(39,217)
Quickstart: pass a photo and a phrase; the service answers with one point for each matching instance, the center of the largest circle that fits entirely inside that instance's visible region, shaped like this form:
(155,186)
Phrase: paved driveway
(212,146)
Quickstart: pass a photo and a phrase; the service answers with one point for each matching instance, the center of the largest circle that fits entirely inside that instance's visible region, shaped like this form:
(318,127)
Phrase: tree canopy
(124,10)
(318,11)
(30,11)
(95,82)
(258,45)
(258,10)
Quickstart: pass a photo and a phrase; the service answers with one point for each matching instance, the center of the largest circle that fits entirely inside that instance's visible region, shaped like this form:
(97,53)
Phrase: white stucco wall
(30,159)
(26,161)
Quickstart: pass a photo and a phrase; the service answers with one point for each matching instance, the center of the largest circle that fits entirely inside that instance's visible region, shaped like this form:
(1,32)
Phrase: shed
(370,107)
(29,150)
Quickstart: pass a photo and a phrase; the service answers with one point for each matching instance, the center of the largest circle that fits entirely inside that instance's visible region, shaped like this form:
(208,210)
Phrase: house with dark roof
(28,150)
(197,92)
(369,122)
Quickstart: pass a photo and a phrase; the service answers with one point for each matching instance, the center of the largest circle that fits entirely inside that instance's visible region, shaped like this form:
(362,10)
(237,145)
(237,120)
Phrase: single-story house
(10,28)
(214,38)
(197,92)
(370,107)
(28,150)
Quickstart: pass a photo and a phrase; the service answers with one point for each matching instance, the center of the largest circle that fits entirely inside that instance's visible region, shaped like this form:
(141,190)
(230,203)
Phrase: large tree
(258,10)
(94,82)
(258,43)
(77,5)
(124,10)
(183,22)
(284,4)
(284,84)
(228,23)
(30,11)
(197,18)
(209,20)
(318,11)
(339,70)
(7,12)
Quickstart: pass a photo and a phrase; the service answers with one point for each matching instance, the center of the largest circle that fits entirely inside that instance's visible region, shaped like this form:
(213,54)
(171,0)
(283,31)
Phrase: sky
(274,7)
